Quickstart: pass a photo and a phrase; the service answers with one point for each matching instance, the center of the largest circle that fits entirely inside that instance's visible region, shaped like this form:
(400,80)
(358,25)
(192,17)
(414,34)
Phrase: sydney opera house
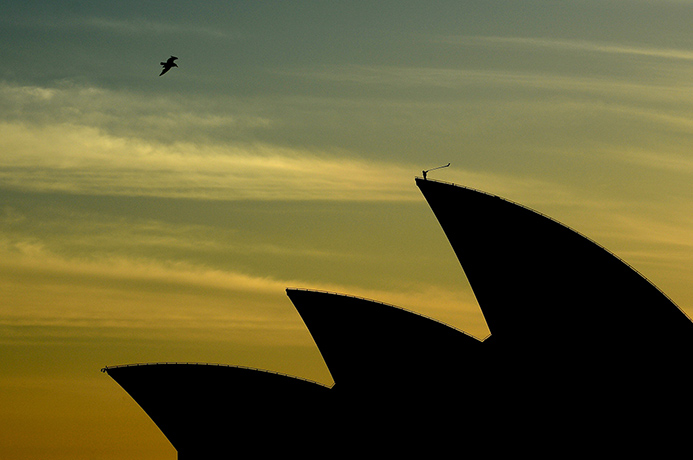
(585,354)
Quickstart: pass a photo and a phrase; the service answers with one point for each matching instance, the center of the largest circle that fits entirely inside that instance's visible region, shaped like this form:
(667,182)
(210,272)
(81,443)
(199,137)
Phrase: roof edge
(350,296)
(105,369)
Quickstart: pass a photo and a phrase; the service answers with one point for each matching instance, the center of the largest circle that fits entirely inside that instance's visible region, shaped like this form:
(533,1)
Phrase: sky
(150,219)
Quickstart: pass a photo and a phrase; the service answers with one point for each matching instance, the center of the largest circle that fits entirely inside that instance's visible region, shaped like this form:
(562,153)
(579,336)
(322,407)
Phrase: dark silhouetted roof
(369,343)
(206,409)
(581,344)
(580,325)
(536,279)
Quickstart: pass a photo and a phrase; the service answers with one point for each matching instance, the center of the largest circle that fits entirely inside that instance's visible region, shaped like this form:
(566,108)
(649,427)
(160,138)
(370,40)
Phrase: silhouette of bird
(168,64)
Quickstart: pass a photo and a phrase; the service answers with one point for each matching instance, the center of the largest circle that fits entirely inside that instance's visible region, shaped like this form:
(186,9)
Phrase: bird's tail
(162,63)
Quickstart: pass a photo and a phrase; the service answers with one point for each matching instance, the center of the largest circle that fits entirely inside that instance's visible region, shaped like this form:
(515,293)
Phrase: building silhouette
(584,353)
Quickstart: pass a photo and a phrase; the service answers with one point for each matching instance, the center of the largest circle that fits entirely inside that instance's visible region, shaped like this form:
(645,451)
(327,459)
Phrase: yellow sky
(147,218)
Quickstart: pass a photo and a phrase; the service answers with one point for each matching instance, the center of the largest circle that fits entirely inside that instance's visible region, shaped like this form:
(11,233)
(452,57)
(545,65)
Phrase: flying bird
(168,64)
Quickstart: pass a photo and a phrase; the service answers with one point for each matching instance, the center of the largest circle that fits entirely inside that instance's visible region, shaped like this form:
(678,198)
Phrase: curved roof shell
(570,322)
(395,371)
(536,278)
(205,409)
(366,343)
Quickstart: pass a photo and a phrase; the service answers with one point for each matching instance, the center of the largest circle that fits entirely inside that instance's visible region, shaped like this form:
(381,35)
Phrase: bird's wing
(171,59)
(165,69)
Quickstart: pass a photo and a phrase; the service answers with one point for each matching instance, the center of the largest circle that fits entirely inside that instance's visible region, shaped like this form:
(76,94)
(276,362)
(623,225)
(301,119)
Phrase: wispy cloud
(148,26)
(123,112)
(76,139)
(679,163)
(452,78)
(84,160)
(570,45)
(128,26)
(176,295)
(134,294)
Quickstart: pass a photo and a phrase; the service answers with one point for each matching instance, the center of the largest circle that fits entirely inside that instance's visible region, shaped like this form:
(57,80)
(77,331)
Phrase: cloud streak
(85,160)
(146,27)
(79,159)
(140,26)
(452,78)
(71,294)
(569,45)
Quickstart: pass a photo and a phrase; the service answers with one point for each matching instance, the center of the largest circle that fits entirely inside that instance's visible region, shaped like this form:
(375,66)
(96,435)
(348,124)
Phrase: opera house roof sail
(556,283)
(575,332)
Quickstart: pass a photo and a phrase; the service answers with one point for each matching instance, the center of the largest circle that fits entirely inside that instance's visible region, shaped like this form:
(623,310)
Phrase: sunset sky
(147,218)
